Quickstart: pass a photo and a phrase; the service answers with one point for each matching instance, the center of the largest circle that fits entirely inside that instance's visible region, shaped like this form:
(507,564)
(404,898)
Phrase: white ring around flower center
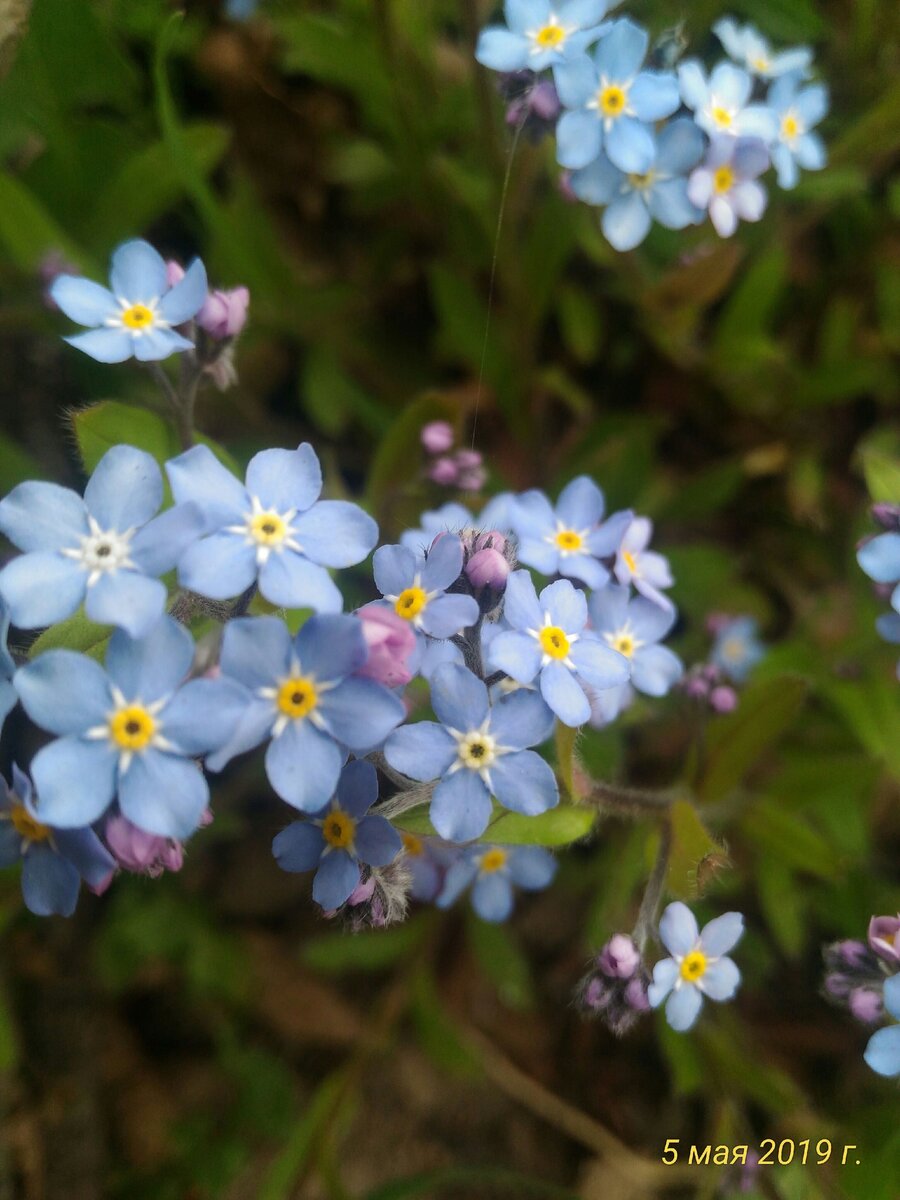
(125,740)
(267,529)
(102,551)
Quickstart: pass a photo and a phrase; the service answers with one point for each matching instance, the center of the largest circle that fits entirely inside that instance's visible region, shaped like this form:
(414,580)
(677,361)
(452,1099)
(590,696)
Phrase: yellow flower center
(624,643)
(297,697)
(26,826)
(492,860)
(412,845)
(611,100)
(630,561)
(132,728)
(410,603)
(554,642)
(268,528)
(760,64)
(722,116)
(550,36)
(476,751)
(568,539)
(733,650)
(640,182)
(723,180)
(139,316)
(693,966)
(790,126)
(338,829)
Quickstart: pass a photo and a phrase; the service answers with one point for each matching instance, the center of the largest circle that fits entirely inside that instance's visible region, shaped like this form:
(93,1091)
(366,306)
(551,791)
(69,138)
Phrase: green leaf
(396,461)
(559,827)
(333,399)
(503,962)
(371,950)
(437,1034)
(872,712)
(565,738)
(111,423)
(28,231)
(783,903)
(736,742)
(882,474)
(75,633)
(788,838)
(691,845)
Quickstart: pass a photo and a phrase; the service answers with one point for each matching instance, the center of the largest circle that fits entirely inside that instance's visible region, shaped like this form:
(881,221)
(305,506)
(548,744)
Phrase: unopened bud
(437,437)
(866,1004)
(619,958)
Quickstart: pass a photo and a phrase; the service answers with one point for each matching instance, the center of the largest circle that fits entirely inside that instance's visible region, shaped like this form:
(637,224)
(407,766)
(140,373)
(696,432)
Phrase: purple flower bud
(884,938)
(174,272)
(851,953)
(444,471)
(596,995)
(838,986)
(437,437)
(473,480)
(544,101)
(866,1004)
(390,641)
(723,699)
(488,568)
(636,994)
(564,183)
(468,460)
(362,893)
(696,687)
(139,852)
(224,313)
(620,957)
(887,516)
(717,621)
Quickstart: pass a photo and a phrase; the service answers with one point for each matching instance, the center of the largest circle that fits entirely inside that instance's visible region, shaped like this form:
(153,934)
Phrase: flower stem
(654,889)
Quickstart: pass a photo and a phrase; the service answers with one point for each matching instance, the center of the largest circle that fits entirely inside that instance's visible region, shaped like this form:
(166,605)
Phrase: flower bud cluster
(615,988)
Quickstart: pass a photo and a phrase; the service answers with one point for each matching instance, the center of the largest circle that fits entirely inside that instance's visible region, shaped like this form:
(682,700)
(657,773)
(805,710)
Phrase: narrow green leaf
(28,231)
(691,845)
(882,474)
(397,458)
(371,950)
(559,827)
(503,962)
(111,423)
(75,633)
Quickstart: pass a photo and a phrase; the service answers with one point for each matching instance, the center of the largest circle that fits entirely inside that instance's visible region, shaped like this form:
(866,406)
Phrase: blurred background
(208,1034)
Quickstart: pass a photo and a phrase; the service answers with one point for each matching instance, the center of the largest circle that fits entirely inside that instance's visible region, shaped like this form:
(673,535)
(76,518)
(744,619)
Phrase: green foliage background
(346,161)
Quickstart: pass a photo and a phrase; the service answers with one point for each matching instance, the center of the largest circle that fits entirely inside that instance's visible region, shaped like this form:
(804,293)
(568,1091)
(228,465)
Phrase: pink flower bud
(174,272)
(468,460)
(492,540)
(443,471)
(866,1004)
(224,314)
(487,568)
(852,953)
(619,958)
(437,437)
(723,699)
(884,938)
(140,852)
(391,642)
(474,480)
(636,994)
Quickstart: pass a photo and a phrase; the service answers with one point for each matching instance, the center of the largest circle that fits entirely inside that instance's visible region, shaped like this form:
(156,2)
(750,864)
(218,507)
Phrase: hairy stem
(631,802)
(654,889)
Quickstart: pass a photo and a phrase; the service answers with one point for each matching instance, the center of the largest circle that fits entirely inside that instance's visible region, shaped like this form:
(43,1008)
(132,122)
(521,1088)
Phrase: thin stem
(632,802)
(653,892)
(182,409)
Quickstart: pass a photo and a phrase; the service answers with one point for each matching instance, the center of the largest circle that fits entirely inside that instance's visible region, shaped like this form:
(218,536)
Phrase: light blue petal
(163,794)
(357,788)
(605,541)
(446,616)
(880,558)
(630,145)
(883,1051)
(151,667)
(303,766)
(810,152)
(199,476)
(332,646)
(532,513)
(582,13)
(521,608)
(49,884)
(730,85)
(521,719)
(291,581)
(670,205)
(256,650)
(678,929)
(664,975)
(125,490)
(186,298)
(87,854)
(679,147)
(888,626)
(335,533)
(335,880)
(502,50)
(892,996)
(361,713)
(580,504)
(693,84)
(578,138)
(137,273)
(585,568)
(731,36)
(721,980)
(785,167)
(523,15)
(626,222)
(722,934)
(395,568)
(524,783)
(299,847)
(565,605)
(157,547)
(654,95)
(609,609)
(153,345)
(75,782)
(421,751)
(41,589)
(253,728)
(10,845)
(459,698)
(82,300)
(377,841)
(655,670)
(620,54)
(798,59)
(461,807)
(492,897)
(531,867)
(443,563)
(562,692)
(203,715)
(221,566)
(598,664)
(598,183)
(543,556)
(458,878)
(104,345)
(517,654)
(64,692)
(285,479)
(812,104)
(576,81)
(43,516)
(683,1007)
(128,600)
(757,121)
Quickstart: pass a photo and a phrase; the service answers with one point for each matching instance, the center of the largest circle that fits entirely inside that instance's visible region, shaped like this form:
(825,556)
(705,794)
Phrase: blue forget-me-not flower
(302,696)
(548,641)
(415,586)
(746,45)
(883,1051)
(698,965)
(569,539)
(720,101)
(340,836)
(612,103)
(476,751)
(726,182)
(797,111)
(453,517)
(635,200)
(879,557)
(540,33)
(493,872)
(130,732)
(54,861)
(273,529)
(737,648)
(106,550)
(136,316)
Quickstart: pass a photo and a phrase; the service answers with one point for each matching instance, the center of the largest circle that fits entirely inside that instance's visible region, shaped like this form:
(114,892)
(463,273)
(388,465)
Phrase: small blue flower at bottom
(883,1051)
(136,318)
(493,872)
(131,731)
(54,861)
(477,751)
(698,966)
(340,836)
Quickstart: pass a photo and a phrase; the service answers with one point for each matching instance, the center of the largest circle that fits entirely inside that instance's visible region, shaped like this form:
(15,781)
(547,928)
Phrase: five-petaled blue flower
(415,586)
(660,193)
(340,836)
(453,517)
(273,529)
(883,1051)
(726,182)
(54,861)
(880,559)
(720,101)
(746,45)
(612,102)
(548,641)
(476,751)
(540,33)
(105,550)
(737,648)
(698,966)
(569,539)
(131,731)
(302,694)
(8,695)
(493,872)
(428,860)
(137,315)
(797,111)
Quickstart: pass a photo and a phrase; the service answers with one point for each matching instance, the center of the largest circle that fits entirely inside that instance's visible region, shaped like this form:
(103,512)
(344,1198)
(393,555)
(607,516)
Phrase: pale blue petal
(303,766)
(883,1051)
(721,934)
(609,609)
(137,273)
(585,568)
(598,183)
(157,547)
(357,788)
(532,513)
(683,1008)
(664,975)
(335,533)
(253,728)
(670,205)
(543,556)
(203,715)
(720,980)
(377,841)
(522,15)
(578,138)
(395,568)
(361,713)
(82,300)
(299,847)
(521,719)
(758,121)
(679,147)
(730,85)
(654,95)
(446,616)
(50,885)
(517,654)
(582,13)
(186,298)
(64,692)
(87,854)
(810,152)
(655,670)
(459,876)
(104,345)
(41,589)
(125,490)
(289,580)
(561,691)
(43,516)
(785,167)
(798,59)
(565,605)
(492,896)
(880,558)
(630,145)
(580,504)
(531,867)
(521,608)
(731,36)
(461,807)
(443,563)
(626,222)
(678,929)
(221,566)
(75,782)
(163,794)
(605,541)
(620,54)
(459,698)
(153,345)
(693,85)
(151,667)
(502,50)
(524,783)
(576,81)
(199,476)
(888,626)
(128,600)
(335,880)
(812,104)
(598,664)
(422,751)
(331,646)
(256,650)
(285,479)
(892,996)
